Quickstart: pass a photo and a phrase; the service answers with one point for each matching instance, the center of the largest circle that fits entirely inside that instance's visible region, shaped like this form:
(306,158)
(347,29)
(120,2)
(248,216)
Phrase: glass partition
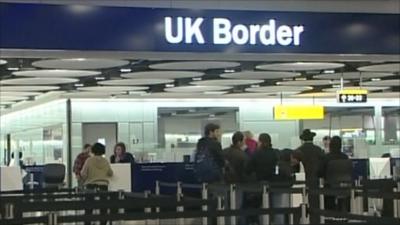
(38,132)
(355,125)
(391,125)
(179,128)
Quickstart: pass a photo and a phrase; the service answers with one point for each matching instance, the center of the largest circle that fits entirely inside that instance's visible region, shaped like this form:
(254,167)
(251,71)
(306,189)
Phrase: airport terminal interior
(159,76)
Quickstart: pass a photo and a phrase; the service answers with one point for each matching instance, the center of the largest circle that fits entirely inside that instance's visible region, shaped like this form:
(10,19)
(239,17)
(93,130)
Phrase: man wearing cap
(311,156)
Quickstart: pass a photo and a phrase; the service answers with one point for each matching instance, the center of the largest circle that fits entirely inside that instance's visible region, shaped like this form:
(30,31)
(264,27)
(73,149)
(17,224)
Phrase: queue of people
(264,164)
(246,160)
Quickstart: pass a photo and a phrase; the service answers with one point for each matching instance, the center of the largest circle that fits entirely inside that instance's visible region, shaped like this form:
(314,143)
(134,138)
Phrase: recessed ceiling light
(215,92)
(255,85)
(125,70)
(229,71)
(136,92)
(79,85)
(13,68)
(196,78)
(376,79)
(99,78)
(170,85)
(329,71)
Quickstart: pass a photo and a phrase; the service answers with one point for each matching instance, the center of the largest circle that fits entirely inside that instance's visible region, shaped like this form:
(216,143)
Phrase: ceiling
(374,6)
(25,79)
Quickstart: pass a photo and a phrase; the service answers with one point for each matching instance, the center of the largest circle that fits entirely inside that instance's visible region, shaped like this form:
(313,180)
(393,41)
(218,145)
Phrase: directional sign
(352,96)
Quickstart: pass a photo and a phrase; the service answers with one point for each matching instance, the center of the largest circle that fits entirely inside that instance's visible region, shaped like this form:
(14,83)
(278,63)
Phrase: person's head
(386,155)
(286,155)
(98,149)
(248,134)
(238,139)
(119,149)
(212,130)
(264,141)
(307,135)
(87,148)
(335,144)
(325,141)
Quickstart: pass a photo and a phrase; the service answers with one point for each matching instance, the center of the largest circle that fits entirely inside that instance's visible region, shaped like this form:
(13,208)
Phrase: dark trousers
(313,199)
(93,188)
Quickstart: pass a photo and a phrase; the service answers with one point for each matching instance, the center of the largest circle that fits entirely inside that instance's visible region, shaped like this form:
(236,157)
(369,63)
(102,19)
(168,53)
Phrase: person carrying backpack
(209,161)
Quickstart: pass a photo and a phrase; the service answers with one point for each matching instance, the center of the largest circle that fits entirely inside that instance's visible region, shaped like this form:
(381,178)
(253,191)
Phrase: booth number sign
(352,96)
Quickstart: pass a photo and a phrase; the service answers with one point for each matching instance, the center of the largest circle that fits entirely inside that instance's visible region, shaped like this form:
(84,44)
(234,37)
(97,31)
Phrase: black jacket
(235,170)
(330,157)
(127,158)
(312,158)
(215,149)
(263,164)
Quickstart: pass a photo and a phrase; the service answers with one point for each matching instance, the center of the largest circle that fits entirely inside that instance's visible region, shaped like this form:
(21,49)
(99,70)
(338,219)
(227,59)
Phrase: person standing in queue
(80,161)
(235,167)
(262,164)
(209,160)
(95,173)
(325,142)
(121,155)
(311,156)
(251,144)
(335,153)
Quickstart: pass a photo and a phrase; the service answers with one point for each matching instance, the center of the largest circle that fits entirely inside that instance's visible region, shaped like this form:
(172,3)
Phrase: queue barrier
(150,202)
(173,207)
(355,217)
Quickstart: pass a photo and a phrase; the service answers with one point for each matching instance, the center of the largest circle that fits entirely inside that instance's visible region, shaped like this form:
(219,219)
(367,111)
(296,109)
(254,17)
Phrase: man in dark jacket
(236,160)
(335,153)
(311,156)
(211,143)
(235,168)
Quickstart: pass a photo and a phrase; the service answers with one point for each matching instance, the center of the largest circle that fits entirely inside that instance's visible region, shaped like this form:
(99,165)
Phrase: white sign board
(121,179)
(379,168)
(10,178)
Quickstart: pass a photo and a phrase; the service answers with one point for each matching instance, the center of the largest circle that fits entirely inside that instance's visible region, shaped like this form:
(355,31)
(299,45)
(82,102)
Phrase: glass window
(179,129)
(355,125)
(391,125)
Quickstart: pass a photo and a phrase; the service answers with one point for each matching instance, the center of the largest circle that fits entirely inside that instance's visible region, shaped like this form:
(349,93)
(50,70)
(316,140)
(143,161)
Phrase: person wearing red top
(250,143)
(80,161)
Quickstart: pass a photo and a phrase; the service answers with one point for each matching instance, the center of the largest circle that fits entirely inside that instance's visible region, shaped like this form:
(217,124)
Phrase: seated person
(121,155)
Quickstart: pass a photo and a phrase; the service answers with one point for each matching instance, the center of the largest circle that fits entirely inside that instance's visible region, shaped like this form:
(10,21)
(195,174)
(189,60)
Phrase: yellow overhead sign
(353,92)
(298,112)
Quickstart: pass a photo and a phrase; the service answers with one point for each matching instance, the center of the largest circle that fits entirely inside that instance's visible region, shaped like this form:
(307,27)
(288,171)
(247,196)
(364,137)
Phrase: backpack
(230,173)
(205,168)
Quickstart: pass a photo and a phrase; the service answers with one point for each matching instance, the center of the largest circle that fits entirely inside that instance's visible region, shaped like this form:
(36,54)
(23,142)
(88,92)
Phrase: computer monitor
(379,168)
